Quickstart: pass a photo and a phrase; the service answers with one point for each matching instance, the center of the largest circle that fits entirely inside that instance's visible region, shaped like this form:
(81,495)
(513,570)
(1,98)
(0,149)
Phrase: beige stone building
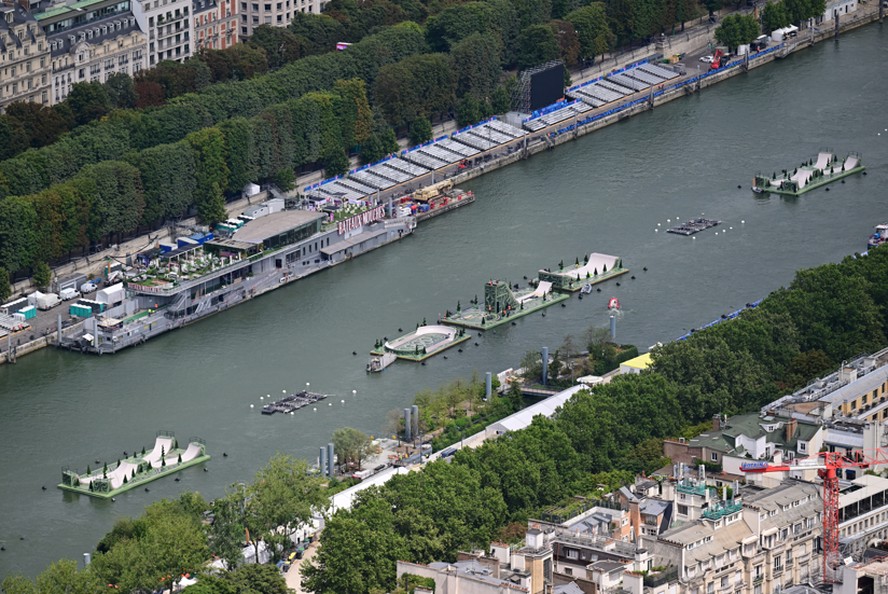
(24,58)
(89,41)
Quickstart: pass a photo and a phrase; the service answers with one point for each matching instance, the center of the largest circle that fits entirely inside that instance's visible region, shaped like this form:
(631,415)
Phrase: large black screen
(546,87)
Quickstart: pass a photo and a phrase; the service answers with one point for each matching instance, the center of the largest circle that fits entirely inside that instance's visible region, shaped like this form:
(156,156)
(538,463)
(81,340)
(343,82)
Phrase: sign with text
(365,218)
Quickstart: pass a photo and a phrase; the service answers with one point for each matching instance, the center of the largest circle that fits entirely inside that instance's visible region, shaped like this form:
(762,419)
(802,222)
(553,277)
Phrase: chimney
(716,422)
(789,429)
(847,374)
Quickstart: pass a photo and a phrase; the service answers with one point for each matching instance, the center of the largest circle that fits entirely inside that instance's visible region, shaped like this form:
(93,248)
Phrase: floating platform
(597,268)
(809,175)
(424,342)
(502,305)
(292,402)
(135,471)
(693,226)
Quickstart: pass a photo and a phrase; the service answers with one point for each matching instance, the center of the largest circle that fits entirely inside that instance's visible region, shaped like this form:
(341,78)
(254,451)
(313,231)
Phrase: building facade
(24,58)
(169,27)
(277,13)
(215,24)
(89,41)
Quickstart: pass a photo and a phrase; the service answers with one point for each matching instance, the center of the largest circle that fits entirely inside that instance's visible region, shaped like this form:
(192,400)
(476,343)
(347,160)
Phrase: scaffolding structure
(522,92)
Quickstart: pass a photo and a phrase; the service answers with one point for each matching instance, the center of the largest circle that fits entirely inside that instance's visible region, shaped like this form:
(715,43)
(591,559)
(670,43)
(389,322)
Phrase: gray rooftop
(258,231)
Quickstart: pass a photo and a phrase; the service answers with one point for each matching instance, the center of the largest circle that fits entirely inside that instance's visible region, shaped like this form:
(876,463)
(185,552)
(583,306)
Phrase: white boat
(379,362)
(587,288)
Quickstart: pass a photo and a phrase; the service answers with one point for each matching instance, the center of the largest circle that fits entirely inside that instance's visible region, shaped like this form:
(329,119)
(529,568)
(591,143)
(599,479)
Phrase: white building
(277,13)
(169,27)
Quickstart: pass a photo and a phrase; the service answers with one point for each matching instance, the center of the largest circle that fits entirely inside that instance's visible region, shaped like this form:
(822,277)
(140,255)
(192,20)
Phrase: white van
(69,293)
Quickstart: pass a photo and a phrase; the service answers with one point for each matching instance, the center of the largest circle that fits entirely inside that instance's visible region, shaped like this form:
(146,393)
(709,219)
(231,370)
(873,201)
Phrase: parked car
(88,287)
(706,59)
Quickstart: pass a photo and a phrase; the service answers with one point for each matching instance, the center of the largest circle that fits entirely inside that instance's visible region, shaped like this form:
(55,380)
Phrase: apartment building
(169,27)
(277,13)
(215,24)
(89,41)
(24,58)
(768,542)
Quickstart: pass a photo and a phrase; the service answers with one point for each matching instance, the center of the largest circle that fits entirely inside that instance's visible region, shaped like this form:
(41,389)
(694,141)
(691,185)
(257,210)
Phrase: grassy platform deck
(575,285)
(471,317)
(406,354)
(821,181)
(139,480)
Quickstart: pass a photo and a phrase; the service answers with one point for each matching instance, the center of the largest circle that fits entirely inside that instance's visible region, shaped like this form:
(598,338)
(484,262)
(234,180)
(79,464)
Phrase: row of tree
(113,199)
(26,125)
(123,131)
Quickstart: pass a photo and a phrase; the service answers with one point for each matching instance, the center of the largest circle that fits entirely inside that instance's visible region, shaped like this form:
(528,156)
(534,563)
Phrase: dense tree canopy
(736,30)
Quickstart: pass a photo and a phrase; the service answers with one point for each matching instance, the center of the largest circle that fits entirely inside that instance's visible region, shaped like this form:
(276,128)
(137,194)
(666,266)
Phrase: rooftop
(260,230)
(639,362)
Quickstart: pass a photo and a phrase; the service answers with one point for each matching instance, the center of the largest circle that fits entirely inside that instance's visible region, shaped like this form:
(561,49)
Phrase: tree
(88,101)
(800,10)
(775,16)
(281,46)
(34,125)
(736,30)
(477,61)
(61,576)
(318,33)
(422,85)
(227,532)
(351,445)
(121,90)
(536,45)
(211,174)
(282,497)
(568,42)
(5,289)
(420,130)
(238,62)
(593,31)
(42,275)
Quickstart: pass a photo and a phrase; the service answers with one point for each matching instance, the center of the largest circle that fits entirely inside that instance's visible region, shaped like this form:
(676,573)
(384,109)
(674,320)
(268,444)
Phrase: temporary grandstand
(414,163)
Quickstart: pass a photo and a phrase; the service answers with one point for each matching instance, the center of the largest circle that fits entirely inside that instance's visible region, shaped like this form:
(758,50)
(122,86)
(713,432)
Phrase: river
(606,192)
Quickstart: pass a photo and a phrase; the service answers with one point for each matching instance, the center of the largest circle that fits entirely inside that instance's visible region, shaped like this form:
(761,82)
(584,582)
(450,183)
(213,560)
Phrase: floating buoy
(742,222)
(514,324)
(147,490)
(843,181)
(112,499)
(400,330)
(598,289)
(423,362)
(739,187)
(827,189)
(445,356)
(459,350)
(656,230)
(224,454)
(618,284)
(563,305)
(354,353)
(632,277)
(43,487)
(476,344)
(544,314)
(645,268)
(580,296)
(177,479)
(252,405)
(206,469)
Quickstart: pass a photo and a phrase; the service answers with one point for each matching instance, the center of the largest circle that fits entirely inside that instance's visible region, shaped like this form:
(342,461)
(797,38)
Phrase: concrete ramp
(194,450)
(823,160)
(802,177)
(124,470)
(161,444)
(850,163)
(544,288)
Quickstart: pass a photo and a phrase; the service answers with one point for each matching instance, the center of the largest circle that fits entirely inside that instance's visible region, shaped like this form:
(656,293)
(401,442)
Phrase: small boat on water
(587,288)
(879,237)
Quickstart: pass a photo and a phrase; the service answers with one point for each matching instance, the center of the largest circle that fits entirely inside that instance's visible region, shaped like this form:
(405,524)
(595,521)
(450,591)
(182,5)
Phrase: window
(757,572)
(778,563)
(714,456)
(724,582)
(571,553)
(710,588)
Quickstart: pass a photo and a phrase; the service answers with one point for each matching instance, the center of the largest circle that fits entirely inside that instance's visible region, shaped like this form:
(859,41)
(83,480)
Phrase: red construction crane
(827,463)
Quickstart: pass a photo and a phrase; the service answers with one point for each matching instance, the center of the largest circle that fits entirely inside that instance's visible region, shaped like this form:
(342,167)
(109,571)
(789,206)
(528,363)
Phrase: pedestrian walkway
(294,576)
